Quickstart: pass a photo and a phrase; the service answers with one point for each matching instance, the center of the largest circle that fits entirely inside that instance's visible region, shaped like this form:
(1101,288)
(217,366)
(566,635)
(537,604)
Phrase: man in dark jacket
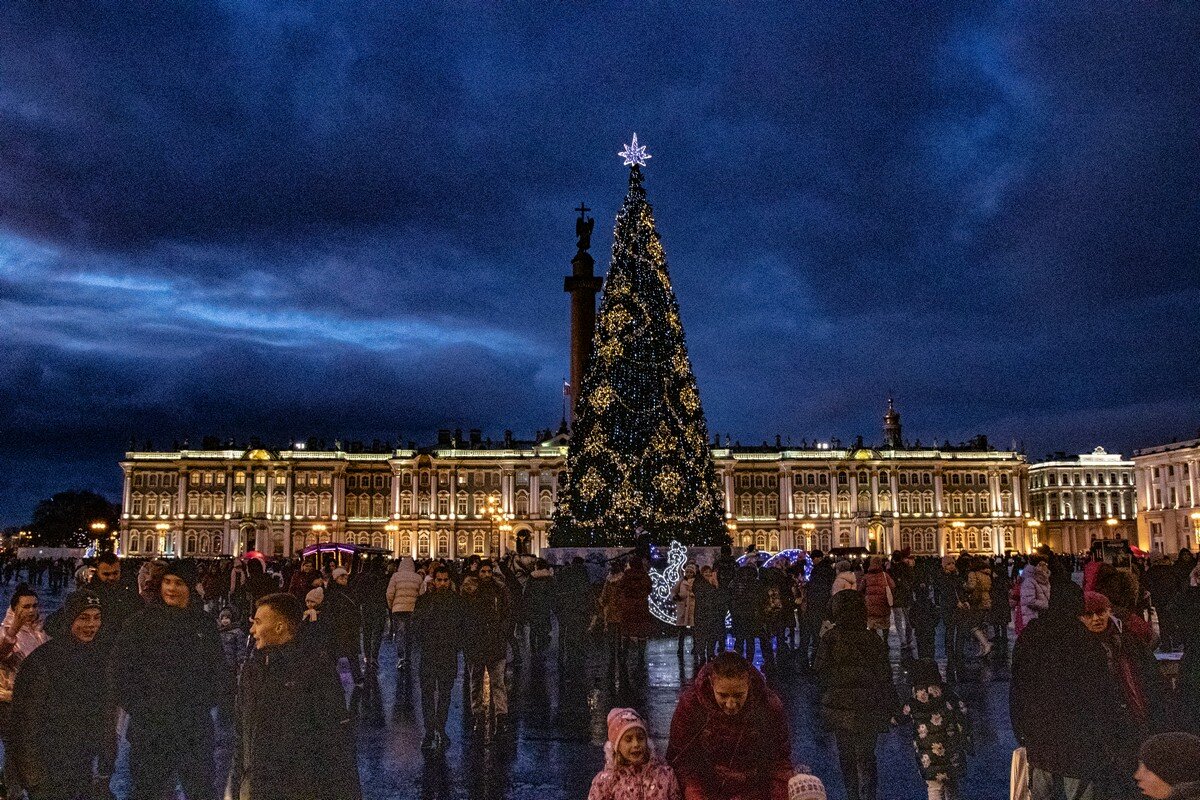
(729,735)
(952,605)
(437,627)
(60,706)
(746,595)
(817,592)
(488,625)
(168,665)
(573,607)
(1062,701)
(293,736)
(342,619)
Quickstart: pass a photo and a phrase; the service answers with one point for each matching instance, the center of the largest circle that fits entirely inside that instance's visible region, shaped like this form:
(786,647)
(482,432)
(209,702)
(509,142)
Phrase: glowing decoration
(662,584)
(639,454)
(634,156)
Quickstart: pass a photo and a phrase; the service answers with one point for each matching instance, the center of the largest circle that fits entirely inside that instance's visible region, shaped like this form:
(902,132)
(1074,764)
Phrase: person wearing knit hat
(1169,767)
(59,708)
(804,786)
(168,673)
(631,766)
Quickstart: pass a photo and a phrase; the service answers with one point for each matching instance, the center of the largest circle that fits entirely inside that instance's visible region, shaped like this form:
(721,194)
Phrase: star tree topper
(634,156)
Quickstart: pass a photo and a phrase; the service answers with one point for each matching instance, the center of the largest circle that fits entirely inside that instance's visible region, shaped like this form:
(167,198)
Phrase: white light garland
(662,583)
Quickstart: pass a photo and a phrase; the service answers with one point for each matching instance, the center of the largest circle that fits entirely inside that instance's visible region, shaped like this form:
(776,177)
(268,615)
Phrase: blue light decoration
(662,583)
(762,558)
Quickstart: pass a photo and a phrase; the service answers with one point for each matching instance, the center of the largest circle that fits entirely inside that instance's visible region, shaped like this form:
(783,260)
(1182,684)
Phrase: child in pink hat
(632,770)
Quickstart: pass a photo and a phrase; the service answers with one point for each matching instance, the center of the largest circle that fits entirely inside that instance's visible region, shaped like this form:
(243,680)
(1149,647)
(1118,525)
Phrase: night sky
(351,220)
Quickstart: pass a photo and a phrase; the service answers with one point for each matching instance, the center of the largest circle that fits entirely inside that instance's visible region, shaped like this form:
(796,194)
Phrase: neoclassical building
(460,497)
(1084,498)
(1168,496)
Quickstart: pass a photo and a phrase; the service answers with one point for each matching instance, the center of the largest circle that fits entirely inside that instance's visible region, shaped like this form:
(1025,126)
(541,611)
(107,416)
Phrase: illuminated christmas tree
(639,457)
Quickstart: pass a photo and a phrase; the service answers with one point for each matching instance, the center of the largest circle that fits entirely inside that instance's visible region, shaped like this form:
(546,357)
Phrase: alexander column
(582,284)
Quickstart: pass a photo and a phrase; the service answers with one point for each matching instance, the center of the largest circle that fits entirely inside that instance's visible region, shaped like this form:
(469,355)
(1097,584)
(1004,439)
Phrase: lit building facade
(1168,516)
(1081,499)
(460,498)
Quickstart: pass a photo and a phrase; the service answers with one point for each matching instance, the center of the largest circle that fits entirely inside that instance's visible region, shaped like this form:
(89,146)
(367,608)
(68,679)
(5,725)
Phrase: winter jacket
(902,576)
(539,595)
(712,604)
(877,584)
(1063,703)
(844,580)
(437,624)
(60,704)
(633,600)
(610,609)
(819,589)
(1187,609)
(746,596)
(293,736)
(718,756)
(342,622)
(1001,586)
(573,596)
(1035,593)
(651,781)
(488,623)
(404,586)
(168,665)
(979,589)
(940,732)
(685,602)
(369,590)
(857,694)
(1185,791)
(14,650)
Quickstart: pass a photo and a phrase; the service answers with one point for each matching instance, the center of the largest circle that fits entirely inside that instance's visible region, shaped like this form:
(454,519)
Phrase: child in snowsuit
(632,770)
(941,730)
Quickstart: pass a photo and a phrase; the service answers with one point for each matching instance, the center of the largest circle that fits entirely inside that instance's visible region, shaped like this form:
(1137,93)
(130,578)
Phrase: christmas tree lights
(639,458)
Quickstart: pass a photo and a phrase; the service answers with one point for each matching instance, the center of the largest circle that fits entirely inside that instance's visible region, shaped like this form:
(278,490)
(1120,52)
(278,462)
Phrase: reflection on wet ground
(558,711)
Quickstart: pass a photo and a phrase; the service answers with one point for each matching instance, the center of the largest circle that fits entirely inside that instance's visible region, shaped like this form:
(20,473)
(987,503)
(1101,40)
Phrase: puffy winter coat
(979,589)
(633,600)
(877,584)
(14,649)
(717,756)
(685,602)
(404,586)
(1035,593)
(857,694)
(844,580)
(650,781)
(940,732)
(712,604)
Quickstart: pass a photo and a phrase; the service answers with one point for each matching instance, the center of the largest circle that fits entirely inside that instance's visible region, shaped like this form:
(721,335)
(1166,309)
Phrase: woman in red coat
(729,735)
(633,603)
(877,587)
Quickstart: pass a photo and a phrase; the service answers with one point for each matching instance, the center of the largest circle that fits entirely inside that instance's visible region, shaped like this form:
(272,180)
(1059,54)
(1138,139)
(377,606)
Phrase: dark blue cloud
(351,220)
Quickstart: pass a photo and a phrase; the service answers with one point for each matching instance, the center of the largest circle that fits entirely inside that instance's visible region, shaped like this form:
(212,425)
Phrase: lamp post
(98,529)
(808,528)
(1033,535)
(392,528)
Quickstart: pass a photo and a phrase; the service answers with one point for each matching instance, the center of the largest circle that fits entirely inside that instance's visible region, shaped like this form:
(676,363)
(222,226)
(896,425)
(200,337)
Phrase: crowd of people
(260,643)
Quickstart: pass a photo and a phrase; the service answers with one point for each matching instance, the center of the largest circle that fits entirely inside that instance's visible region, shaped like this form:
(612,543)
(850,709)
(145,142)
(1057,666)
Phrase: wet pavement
(558,714)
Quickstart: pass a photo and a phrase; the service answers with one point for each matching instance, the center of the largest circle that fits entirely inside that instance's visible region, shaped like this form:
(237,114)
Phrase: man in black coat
(574,607)
(951,604)
(488,614)
(817,591)
(60,706)
(167,667)
(437,626)
(342,619)
(293,736)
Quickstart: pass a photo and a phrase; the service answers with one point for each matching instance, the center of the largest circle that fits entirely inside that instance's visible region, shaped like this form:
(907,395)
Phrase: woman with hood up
(632,769)
(858,698)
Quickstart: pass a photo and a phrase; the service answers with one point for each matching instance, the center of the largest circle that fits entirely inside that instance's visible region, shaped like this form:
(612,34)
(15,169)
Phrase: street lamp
(162,528)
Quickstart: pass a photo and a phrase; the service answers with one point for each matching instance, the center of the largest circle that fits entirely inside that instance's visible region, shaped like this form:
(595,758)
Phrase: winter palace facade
(462,497)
